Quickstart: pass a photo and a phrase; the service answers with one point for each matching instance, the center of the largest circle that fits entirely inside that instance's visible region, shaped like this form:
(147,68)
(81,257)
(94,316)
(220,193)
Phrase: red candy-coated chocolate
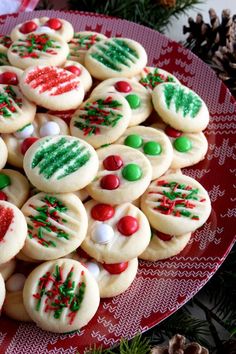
(6,216)
(54,23)
(116,268)
(26,144)
(28,27)
(173,133)
(3,196)
(164,237)
(102,212)
(112,163)
(127,225)
(73,69)
(8,78)
(123,86)
(110,182)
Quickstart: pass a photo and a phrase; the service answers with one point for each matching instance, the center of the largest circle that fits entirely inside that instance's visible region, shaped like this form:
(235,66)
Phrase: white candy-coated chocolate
(25,132)
(43,29)
(102,233)
(93,267)
(16,282)
(49,128)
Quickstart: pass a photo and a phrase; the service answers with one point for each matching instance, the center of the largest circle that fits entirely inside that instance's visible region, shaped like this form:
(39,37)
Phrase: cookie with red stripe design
(13,231)
(80,71)
(52,87)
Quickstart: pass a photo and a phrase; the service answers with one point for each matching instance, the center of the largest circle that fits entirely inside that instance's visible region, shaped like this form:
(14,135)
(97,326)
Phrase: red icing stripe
(6,216)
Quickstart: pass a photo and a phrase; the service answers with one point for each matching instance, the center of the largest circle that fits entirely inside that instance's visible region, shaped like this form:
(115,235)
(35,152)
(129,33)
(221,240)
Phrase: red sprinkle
(8,78)
(54,23)
(173,133)
(110,182)
(28,27)
(123,86)
(128,225)
(26,144)
(73,69)
(6,216)
(112,163)
(3,196)
(116,268)
(102,212)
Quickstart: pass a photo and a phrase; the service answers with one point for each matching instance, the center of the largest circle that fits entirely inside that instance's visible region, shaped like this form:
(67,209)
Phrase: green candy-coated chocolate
(133,100)
(134,141)
(182,144)
(152,148)
(132,172)
(4,181)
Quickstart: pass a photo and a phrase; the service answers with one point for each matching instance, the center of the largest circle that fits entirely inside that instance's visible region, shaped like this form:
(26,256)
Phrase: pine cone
(167,3)
(177,346)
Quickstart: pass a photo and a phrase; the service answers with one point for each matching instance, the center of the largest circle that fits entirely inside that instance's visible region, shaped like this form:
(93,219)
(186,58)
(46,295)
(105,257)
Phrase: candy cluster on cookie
(96,187)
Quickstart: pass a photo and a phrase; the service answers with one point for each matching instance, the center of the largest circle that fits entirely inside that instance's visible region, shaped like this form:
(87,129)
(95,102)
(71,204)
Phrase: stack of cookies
(90,185)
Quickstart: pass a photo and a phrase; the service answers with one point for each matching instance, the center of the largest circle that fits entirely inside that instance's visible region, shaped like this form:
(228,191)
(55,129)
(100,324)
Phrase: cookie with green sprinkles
(61,296)
(60,164)
(180,107)
(176,204)
(115,57)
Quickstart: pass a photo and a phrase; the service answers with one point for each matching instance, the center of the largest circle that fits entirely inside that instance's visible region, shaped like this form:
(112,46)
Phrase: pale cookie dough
(164,246)
(180,107)
(60,164)
(13,231)
(48,308)
(22,257)
(3,153)
(81,42)
(16,111)
(101,119)
(123,175)
(151,76)
(14,187)
(13,305)
(115,57)
(43,25)
(2,291)
(176,204)
(5,43)
(153,143)
(188,148)
(43,125)
(80,71)
(137,96)
(52,87)
(57,225)
(41,49)
(8,268)
(115,233)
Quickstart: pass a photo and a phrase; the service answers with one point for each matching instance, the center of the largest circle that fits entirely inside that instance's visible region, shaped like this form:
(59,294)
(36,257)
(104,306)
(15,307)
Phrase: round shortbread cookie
(153,144)
(81,42)
(8,268)
(13,231)
(64,310)
(41,49)
(22,257)
(123,175)
(5,43)
(43,125)
(176,204)
(14,187)
(52,87)
(43,25)
(151,76)
(57,225)
(115,233)
(115,57)
(101,119)
(2,291)
(16,110)
(80,71)
(138,97)
(180,107)
(60,164)
(188,148)
(3,153)
(164,246)
(112,279)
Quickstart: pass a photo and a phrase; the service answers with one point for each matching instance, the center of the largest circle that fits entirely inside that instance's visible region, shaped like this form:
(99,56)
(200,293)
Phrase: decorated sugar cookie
(13,231)
(153,144)
(52,87)
(7,269)
(123,175)
(115,57)
(101,119)
(5,43)
(150,77)
(43,125)
(2,291)
(164,246)
(15,110)
(57,225)
(188,148)
(60,164)
(37,49)
(115,233)
(43,25)
(180,107)
(14,187)
(81,42)
(112,279)
(138,98)
(3,153)
(176,204)
(80,71)
(61,296)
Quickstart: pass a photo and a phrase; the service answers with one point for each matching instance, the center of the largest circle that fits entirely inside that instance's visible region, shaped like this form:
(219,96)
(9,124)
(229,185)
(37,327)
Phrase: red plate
(162,287)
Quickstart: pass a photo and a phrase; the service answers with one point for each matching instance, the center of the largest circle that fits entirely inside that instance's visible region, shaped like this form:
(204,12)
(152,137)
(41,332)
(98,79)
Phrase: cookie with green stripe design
(180,107)
(60,164)
(115,57)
